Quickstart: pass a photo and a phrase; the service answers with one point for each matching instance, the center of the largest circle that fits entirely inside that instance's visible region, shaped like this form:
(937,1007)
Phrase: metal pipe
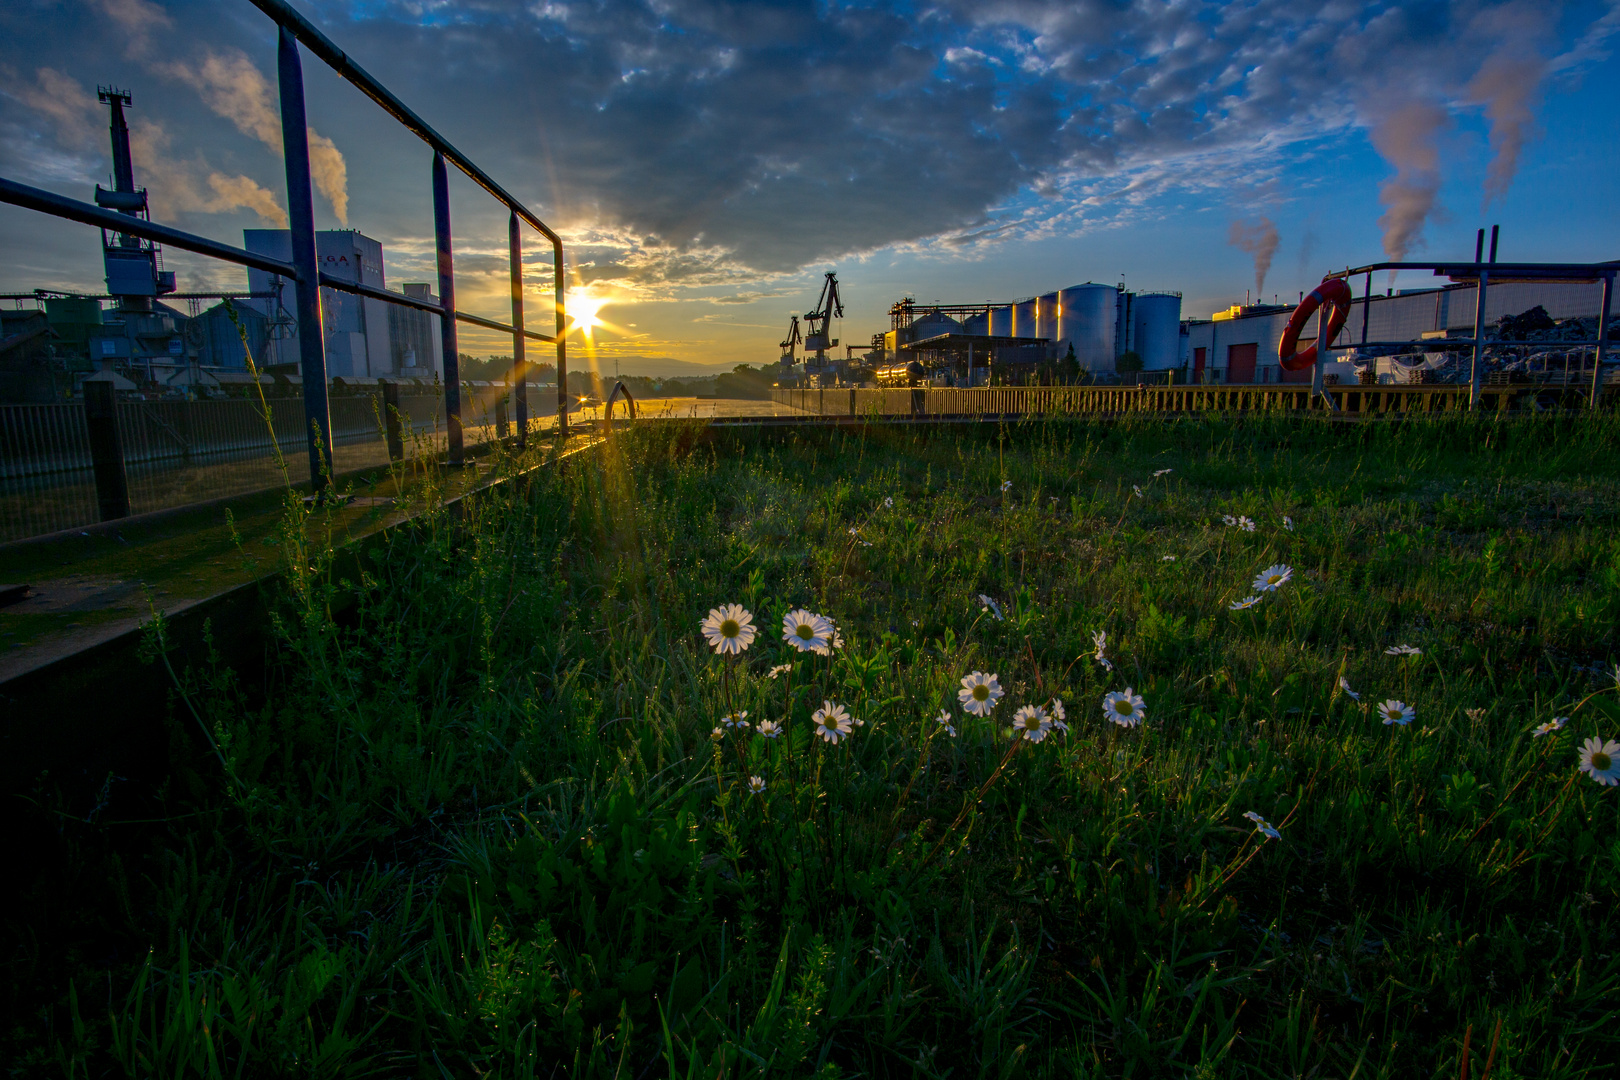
(514,235)
(1479,246)
(306,280)
(1494,230)
(447,299)
(48,202)
(1602,339)
(1477,374)
(562,335)
(1366,305)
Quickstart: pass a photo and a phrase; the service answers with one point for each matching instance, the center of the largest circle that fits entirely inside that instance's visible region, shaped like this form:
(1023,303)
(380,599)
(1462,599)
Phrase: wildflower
(1396,712)
(1032,722)
(832,722)
(1100,639)
(979,693)
(1162,472)
(1288,523)
(1476,715)
(1167,558)
(1245,524)
(1262,826)
(769,729)
(805,630)
(732,721)
(1601,760)
(1138,489)
(756,784)
(1124,709)
(779,669)
(1229,519)
(1344,684)
(1245,604)
(1555,724)
(717,733)
(854,530)
(730,629)
(1058,714)
(1403,650)
(888,502)
(944,721)
(991,606)
(1273,578)
(1006,486)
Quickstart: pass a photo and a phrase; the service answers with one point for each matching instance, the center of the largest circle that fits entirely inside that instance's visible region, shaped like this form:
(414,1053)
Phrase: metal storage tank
(1086,321)
(976,324)
(1156,330)
(932,324)
(1046,316)
(1001,321)
(1024,321)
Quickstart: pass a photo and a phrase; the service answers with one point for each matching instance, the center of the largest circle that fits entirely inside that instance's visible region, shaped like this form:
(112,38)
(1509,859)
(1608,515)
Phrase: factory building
(359,331)
(1239,345)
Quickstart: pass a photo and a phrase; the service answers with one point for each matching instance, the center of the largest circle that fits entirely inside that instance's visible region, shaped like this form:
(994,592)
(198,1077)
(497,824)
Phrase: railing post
(447,299)
(1477,375)
(561,305)
(391,425)
(301,233)
(520,376)
(1602,339)
(106,450)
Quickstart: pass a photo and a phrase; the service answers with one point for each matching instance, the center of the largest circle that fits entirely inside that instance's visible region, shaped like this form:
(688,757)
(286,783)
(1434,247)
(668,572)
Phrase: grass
(479,822)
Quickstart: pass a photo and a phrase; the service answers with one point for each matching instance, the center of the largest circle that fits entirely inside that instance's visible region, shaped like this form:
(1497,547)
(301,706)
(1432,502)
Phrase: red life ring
(1334,292)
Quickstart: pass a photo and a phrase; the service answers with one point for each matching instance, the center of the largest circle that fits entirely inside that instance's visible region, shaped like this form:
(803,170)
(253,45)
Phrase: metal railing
(303,271)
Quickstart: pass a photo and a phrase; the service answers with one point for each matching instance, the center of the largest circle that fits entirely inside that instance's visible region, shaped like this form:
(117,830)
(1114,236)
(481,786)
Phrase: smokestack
(1479,247)
(1494,230)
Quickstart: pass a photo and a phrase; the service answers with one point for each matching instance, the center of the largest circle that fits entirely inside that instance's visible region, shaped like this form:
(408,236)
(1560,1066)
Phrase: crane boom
(830,306)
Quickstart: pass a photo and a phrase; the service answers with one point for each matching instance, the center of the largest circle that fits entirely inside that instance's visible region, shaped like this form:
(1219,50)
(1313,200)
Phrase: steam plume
(1510,90)
(235,191)
(173,185)
(330,173)
(1258,238)
(1406,137)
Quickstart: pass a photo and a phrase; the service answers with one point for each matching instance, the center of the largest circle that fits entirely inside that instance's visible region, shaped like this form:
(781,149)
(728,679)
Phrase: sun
(582,309)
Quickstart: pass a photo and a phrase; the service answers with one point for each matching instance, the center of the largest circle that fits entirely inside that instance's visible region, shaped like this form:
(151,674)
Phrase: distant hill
(652,367)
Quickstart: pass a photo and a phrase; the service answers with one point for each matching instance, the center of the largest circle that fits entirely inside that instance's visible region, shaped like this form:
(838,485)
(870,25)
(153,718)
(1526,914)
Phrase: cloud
(1258,238)
(67,104)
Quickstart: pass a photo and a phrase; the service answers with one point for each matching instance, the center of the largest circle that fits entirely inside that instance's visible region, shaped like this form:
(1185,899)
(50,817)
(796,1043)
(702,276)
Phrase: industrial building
(1239,345)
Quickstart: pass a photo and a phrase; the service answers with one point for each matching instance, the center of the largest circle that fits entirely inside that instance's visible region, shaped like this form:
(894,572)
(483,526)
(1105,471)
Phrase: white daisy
(732,721)
(991,606)
(1397,712)
(1167,558)
(730,628)
(1006,486)
(1138,489)
(1245,524)
(779,669)
(769,729)
(1245,604)
(1273,578)
(1288,523)
(1262,826)
(832,722)
(1162,472)
(1229,519)
(805,630)
(1403,650)
(1100,639)
(1344,684)
(979,693)
(1058,714)
(888,502)
(1124,709)
(1601,760)
(944,721)
(1555,724)
(1031,722)
(756,784)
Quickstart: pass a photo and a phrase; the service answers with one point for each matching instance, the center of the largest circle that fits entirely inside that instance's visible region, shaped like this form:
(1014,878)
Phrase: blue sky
(708,161)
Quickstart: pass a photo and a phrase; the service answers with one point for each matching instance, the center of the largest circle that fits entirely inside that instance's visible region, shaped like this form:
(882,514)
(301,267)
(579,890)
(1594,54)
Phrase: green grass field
(488,821)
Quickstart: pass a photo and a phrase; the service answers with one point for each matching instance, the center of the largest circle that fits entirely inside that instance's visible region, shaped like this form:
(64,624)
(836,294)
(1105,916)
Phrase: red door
(1240,362)
(1198,364)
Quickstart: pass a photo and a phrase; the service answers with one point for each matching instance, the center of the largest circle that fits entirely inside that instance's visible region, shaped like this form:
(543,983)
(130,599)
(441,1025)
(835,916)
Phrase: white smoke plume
(173,187)
(1510,89)
(1258,238)
(1407,137)
(234,88)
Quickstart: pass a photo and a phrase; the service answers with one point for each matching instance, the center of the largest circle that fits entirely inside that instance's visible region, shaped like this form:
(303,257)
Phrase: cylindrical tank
(1001,322)
(932,324)
(1024,321)
(1086,321)
(1156,330)
(1047,309)
(976,324)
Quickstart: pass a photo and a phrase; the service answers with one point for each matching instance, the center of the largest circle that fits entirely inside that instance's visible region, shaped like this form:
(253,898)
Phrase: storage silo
(932,324)
(978,325)
(1001,321)
(1086,321)
(1047,309)
(1024,320)
(1156,330)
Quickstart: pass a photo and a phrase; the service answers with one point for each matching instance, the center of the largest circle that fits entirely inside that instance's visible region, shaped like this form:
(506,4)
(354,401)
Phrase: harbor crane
(819,338)
(788,344)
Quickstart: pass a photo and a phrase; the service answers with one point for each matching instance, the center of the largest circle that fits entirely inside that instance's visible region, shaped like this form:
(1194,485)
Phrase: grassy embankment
(481,825)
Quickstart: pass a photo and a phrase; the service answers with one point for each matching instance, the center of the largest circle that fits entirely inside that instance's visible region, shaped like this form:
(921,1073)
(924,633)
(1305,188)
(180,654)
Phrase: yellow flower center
(1273,579)
(981,692)
(1601,761)
(730,628)
(805,631)
(1124,707)
(1032,722)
